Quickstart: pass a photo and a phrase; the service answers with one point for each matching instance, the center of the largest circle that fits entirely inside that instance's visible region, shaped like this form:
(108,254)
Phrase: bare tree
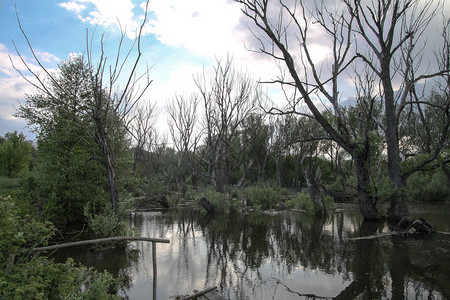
(392,33)
(228,98)
(183,118)
(105,105)
(275,37)
(142,127)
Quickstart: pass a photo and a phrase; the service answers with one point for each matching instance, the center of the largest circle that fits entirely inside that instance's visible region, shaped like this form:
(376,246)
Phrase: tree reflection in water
(285,255)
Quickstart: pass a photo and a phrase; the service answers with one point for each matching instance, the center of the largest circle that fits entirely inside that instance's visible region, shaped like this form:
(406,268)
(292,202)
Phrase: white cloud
(14,87)
(73,6)
(205,27)
(11,62)
(105,13)
(47,57)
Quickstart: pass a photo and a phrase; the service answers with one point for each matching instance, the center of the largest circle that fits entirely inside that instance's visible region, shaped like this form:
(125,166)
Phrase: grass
(8,185)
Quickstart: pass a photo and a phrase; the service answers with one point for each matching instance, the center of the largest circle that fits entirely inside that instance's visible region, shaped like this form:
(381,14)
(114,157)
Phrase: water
(281,255)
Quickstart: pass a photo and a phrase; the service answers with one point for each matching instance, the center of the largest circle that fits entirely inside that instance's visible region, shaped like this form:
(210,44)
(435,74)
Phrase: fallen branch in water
(373,236)
(308,296)
(201,293)
(103,240)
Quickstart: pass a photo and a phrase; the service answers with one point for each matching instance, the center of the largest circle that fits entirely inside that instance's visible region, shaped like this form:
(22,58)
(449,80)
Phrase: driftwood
(104,240)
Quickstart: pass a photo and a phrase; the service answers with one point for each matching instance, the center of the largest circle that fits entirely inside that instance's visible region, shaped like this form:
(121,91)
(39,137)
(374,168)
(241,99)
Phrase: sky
(181,38)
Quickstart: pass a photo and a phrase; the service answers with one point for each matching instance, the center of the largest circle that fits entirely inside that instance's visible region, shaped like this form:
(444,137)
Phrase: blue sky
(180,39)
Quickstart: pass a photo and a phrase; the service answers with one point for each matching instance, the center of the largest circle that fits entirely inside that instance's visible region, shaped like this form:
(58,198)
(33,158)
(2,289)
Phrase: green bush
(329,203)
(8,185)
(28,276)
(265,197)
(106,223)
(302,201)
(220,201)
(175,198)
(428,187)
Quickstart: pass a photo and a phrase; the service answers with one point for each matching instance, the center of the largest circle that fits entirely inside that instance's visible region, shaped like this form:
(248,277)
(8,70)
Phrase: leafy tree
(92,99)
(72,104)
(15,154)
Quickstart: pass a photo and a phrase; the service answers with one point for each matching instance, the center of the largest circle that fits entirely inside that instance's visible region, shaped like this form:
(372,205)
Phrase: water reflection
(283,255)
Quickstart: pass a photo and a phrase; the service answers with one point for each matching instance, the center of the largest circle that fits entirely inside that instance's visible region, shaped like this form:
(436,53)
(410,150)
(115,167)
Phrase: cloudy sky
(181,38)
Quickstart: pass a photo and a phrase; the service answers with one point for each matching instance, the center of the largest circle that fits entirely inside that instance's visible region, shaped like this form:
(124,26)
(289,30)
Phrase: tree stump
(419,225)
(207,205)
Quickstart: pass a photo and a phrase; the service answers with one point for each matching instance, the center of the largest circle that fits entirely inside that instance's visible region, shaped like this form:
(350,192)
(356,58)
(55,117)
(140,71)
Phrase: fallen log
(103,240)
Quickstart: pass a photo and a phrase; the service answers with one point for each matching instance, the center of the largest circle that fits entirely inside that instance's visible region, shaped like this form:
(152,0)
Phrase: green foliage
(81,139)
(65,178)
(41,278)
(265,197)
(8,185)
(383,189)
(106,223)
(175,198)
(220,201)
(428,186)
(329,203)
(28,276)
(302,201)
(15,155)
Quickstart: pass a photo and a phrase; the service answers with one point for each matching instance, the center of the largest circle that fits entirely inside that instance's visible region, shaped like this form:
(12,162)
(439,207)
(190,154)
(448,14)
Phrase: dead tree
(389,30)
(391,41)
(142,126)
(229,97)
(182,125)
(282,36)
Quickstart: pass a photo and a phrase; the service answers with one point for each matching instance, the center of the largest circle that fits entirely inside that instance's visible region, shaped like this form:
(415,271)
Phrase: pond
(281,255)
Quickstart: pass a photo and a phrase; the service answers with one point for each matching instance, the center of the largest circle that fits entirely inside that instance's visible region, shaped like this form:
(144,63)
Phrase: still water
(281,255)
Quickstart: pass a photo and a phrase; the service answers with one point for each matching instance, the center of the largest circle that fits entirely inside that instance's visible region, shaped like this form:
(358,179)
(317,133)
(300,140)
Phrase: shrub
(428,187)
(8,185)
(265,197)
(329,203)
(108,224)
(301,201)
(219,200)
(28,276)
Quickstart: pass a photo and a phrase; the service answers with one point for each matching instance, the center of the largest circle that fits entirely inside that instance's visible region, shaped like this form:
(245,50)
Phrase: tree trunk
(278,170)
(109,164)
(398,207)
(112,183)
(314,191)
(366,205)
